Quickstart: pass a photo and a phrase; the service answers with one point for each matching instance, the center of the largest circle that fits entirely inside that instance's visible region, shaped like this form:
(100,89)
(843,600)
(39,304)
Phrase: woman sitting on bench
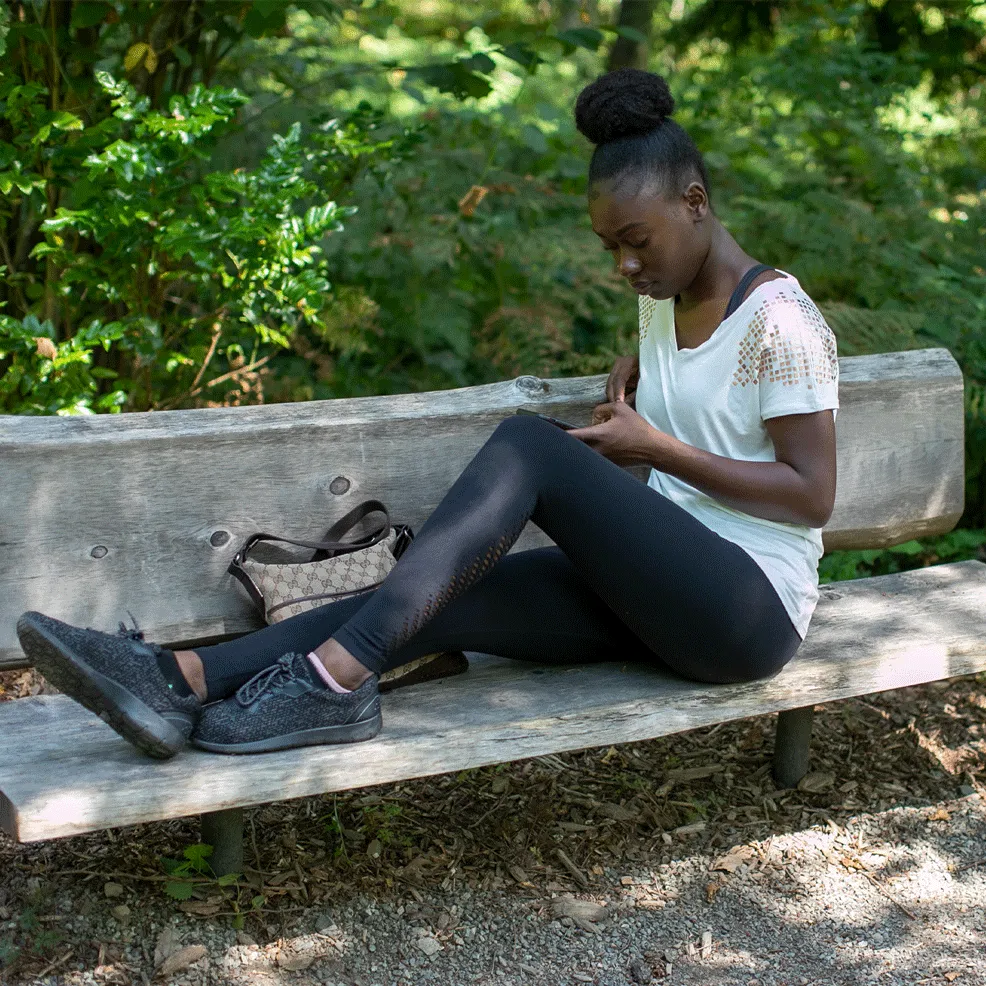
(709,569)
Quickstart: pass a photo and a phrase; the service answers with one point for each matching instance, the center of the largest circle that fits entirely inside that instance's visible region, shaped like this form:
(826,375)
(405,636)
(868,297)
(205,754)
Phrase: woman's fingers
(624,372)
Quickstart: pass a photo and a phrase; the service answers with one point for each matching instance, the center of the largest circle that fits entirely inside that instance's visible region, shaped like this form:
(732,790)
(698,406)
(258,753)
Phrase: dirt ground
(671,860)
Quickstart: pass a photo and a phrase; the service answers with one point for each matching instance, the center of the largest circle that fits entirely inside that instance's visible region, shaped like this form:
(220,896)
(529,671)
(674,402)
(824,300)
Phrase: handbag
(281,584)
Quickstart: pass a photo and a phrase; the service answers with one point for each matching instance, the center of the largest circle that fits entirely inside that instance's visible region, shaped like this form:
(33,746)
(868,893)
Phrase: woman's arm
(799,488)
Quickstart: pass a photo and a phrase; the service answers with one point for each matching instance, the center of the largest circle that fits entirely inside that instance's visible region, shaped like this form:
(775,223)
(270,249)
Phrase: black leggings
(633,577)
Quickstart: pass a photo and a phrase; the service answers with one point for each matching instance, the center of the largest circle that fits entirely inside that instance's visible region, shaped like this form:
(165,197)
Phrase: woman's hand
(623,378)
(620,434)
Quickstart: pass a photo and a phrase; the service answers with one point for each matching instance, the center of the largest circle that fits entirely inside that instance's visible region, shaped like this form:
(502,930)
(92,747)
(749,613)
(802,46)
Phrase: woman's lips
(641,286)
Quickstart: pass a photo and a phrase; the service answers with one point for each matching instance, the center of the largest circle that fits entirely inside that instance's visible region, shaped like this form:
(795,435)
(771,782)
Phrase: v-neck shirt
(774,355)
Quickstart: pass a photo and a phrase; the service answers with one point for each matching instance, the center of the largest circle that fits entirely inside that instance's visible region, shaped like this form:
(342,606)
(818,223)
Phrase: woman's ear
(696,201)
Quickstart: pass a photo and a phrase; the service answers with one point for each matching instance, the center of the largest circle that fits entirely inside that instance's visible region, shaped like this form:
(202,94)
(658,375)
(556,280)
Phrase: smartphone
(528,409)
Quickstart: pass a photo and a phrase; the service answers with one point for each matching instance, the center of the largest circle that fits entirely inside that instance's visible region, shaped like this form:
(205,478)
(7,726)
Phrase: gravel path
(670,861)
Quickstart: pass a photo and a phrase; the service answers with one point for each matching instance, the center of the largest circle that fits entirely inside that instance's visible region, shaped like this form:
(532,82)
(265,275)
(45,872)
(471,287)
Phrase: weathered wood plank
(141,513)
(62,771)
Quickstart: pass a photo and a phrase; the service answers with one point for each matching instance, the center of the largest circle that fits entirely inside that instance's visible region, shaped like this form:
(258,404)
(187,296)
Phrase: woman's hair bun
(626,103)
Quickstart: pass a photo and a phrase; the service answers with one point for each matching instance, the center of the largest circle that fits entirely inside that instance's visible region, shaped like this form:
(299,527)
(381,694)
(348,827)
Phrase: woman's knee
(522,426)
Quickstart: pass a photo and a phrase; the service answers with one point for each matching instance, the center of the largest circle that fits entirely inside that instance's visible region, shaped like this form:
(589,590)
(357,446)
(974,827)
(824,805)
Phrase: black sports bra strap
(739,295)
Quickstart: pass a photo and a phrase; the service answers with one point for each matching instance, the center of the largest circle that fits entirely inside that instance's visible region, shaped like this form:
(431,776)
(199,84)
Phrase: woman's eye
(638,246)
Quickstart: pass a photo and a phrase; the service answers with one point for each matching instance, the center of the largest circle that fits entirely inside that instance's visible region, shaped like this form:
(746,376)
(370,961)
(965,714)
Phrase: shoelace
(267,679)
(131,633)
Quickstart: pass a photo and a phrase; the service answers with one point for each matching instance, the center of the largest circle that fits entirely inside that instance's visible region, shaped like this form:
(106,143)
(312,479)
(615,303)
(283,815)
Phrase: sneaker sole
(350,732)
(119,708)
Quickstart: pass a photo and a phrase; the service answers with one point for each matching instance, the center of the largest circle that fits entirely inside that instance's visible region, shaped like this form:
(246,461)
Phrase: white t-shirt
(774,355)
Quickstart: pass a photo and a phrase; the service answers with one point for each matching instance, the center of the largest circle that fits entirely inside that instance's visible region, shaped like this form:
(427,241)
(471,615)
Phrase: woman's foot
(115,676)
(287,705)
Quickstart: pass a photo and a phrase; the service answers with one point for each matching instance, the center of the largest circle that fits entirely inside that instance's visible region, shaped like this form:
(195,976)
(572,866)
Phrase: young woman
(709,569)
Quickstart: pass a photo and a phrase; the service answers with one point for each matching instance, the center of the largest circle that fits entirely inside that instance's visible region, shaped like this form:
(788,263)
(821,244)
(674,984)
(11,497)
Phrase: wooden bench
(141,513)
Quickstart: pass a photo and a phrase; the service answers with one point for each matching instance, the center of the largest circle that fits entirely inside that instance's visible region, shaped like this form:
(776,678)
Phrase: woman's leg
(533,606)
(695,600)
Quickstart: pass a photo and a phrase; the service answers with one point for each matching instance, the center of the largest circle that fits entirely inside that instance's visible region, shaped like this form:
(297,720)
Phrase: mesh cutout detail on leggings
(788,342)
(458,584)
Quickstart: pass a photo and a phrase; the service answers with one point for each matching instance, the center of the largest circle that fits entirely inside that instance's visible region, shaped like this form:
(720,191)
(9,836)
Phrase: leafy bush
(959,545)
(171,271)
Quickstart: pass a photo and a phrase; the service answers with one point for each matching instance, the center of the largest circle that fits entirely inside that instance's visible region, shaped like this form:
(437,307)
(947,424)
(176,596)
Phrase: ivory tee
(774,355)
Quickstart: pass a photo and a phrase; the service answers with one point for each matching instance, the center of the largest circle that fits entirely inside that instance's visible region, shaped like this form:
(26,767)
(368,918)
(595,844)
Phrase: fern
(863,331)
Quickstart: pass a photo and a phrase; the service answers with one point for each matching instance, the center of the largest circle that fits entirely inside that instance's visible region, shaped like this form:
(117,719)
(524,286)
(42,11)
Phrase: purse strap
(347,522)
(331,545)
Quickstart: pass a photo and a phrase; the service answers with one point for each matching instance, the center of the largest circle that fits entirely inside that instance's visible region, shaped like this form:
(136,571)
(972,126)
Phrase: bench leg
(791,745)
(223,830)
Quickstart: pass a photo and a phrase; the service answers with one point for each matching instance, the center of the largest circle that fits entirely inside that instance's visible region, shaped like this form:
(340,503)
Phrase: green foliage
(192,871)
(958,545)
(844,141)
(165,267)
(25,934)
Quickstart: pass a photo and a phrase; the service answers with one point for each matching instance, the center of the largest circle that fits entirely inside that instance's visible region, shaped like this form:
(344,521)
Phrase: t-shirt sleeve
(799,363)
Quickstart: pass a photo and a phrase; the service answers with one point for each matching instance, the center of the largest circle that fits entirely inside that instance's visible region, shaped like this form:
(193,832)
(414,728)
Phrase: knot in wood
(532,385)
(219,538)
(339,485)
(99,551)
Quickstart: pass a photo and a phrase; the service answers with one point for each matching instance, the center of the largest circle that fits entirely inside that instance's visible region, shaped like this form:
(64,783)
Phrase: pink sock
(325,676)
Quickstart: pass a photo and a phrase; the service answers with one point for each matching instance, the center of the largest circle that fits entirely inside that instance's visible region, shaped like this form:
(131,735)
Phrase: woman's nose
(630,266)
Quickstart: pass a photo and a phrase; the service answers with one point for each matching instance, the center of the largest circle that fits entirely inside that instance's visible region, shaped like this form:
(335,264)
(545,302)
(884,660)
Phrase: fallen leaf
(952,976)
(581,910)
(167,945)
(816,782)
(181,959)
(616,812)
(693,829)
(517,873)
(733,859)
(939,815)
(292,961)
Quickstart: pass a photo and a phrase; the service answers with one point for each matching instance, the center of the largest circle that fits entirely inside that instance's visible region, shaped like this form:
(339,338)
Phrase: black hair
(627,115)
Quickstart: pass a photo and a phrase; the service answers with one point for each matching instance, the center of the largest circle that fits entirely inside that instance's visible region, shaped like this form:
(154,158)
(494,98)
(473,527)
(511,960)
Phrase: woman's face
(658,241)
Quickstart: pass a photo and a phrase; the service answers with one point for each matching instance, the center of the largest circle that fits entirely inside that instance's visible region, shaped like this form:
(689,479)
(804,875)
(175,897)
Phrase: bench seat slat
(63,772)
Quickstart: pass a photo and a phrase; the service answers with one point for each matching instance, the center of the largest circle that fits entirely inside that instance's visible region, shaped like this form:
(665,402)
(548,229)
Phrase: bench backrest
(141,513)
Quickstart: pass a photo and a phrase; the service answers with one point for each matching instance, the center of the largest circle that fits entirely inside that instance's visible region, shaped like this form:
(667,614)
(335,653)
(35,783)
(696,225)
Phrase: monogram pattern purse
(282,585)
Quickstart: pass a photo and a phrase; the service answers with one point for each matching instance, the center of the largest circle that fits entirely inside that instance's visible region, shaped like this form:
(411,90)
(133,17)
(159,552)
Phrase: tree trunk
(625,53)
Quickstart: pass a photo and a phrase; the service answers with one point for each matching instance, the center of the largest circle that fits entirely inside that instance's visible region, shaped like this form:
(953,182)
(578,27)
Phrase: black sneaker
(287,705)
(114,675)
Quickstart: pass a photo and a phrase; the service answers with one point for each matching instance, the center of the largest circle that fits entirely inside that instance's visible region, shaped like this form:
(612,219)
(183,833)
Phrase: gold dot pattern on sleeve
(788,342)
(645,308)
